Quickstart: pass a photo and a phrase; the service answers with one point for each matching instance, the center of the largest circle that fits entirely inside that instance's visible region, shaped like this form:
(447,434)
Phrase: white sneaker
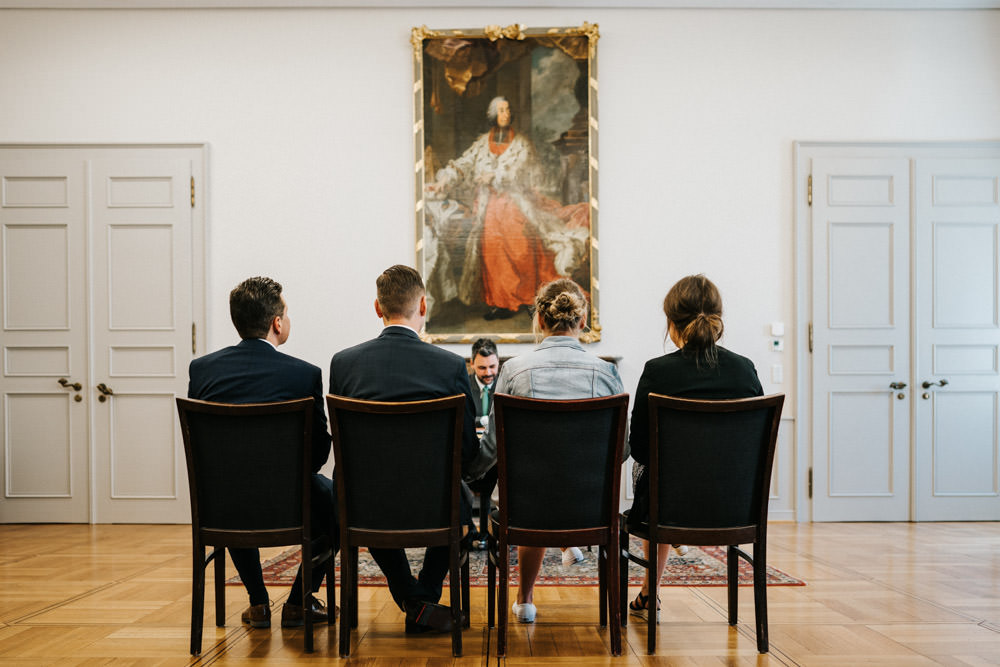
(572,556)
(681,549)
(524,613)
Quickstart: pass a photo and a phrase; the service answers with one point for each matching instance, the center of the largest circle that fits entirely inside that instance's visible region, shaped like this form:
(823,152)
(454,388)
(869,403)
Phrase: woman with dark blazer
(698,369)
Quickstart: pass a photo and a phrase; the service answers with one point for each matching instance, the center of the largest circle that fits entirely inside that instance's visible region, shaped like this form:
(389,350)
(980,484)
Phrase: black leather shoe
(293,616)
(427,617)
(258,616)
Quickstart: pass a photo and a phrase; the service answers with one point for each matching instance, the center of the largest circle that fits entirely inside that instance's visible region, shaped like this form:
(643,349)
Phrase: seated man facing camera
(485,366)
(254,371)
(398,366)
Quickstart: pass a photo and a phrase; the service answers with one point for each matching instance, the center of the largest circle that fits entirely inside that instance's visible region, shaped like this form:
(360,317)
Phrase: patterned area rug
(702,566)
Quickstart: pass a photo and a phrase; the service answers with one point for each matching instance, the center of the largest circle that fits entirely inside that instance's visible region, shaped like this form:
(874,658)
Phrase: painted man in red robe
(521,239)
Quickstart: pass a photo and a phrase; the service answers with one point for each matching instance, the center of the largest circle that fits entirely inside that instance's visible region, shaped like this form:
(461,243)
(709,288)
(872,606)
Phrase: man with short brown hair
(254,371)
(398,366)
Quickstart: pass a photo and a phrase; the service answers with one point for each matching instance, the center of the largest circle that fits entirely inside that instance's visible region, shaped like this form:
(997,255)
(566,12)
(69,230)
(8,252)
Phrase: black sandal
(640,607)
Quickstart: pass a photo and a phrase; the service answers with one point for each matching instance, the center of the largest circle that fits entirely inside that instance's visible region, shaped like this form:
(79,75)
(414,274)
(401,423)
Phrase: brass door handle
(105,392)
(897,385)
(927,385)
(66,383)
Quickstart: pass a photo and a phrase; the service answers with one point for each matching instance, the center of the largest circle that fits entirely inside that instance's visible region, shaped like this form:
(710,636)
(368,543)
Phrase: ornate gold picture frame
(505,137)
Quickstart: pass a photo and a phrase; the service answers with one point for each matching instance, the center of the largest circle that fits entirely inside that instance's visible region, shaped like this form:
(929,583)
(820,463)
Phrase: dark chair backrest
(559,460)
(248,465)
(398,465)
(710,460)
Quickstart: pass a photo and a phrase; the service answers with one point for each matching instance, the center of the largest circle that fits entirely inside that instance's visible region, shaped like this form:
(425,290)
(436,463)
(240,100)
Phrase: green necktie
(486,401)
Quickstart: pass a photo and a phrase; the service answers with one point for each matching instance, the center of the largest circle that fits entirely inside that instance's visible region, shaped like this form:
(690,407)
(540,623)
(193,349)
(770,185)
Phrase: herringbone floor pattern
(877,594)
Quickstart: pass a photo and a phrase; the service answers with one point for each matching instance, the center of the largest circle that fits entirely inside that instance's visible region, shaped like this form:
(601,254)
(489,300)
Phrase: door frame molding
(199,256)
(803,152)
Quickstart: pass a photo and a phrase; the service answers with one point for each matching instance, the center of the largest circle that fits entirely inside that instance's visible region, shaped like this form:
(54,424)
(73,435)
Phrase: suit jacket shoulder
(398,366)
(254,372)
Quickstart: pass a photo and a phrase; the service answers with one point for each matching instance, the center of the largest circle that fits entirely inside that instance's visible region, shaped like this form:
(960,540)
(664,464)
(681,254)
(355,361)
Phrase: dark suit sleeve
(321,436)
(470,442)
(755,386)
(638,438)
(333,389)
(192,382)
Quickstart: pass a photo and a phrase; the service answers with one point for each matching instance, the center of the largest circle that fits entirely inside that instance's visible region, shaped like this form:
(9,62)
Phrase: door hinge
(194,338)
(192,192)
(809,191)
(810,482)
(810,337)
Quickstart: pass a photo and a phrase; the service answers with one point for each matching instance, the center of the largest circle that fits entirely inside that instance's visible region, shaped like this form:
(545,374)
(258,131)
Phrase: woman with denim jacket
(559,368)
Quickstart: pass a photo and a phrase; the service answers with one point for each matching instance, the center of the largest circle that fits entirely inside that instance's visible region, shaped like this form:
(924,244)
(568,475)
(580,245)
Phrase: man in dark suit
(255,372)
(398,366)
(485,365)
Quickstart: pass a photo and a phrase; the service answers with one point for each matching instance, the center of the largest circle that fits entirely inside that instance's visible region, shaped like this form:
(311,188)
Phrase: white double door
(99,249)
(905,309)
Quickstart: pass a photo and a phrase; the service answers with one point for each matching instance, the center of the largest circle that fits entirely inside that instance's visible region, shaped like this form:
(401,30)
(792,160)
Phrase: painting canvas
(505,138)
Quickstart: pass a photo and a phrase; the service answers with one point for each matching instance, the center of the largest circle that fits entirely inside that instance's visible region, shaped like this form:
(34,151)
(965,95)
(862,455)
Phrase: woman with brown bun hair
(560,369)
(698,369)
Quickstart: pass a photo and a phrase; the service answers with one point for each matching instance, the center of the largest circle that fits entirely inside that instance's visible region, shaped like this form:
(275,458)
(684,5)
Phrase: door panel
(44,423)
(142,330)
(957,337)
(861,444)
(142,449)
(964,466)
(861,329)
(40,451)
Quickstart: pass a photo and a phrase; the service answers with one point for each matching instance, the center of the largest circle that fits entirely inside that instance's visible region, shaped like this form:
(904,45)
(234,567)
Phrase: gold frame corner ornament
(418,35)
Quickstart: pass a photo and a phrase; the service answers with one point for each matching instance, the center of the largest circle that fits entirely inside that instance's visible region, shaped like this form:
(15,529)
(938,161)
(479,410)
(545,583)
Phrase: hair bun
(561,304)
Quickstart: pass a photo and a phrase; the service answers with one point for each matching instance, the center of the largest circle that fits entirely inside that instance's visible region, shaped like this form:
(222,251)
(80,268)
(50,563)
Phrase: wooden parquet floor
(876,594)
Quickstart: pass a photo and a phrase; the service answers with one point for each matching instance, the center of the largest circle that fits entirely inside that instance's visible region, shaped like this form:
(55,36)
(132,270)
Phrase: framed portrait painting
(505,139)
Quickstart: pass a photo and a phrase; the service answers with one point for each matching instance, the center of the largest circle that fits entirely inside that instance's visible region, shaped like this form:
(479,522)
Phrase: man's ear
(423,305)
(378,310)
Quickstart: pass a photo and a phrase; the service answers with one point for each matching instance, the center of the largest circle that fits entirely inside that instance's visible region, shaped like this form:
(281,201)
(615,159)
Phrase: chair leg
(197,597)
(348,554)
(492,554)
(652,557)
(732,581)
(354,588)
(613,606)
(760,595)
(623,576)
(466,595)
(331,589)
(307,614)
(454,593)
(504,566)
(602,582)
(220,586)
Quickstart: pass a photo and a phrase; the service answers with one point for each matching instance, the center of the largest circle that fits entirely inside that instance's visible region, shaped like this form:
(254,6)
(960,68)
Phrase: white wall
(308,116)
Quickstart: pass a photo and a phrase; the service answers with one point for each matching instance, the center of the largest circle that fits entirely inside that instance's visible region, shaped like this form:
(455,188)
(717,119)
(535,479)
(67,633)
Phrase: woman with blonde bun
(559,368)
(698,369)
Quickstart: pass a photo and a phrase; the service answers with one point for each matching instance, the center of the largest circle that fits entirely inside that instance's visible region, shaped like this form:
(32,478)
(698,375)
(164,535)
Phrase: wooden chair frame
(502,535)
(730,536)
(352,537)
(221,538)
